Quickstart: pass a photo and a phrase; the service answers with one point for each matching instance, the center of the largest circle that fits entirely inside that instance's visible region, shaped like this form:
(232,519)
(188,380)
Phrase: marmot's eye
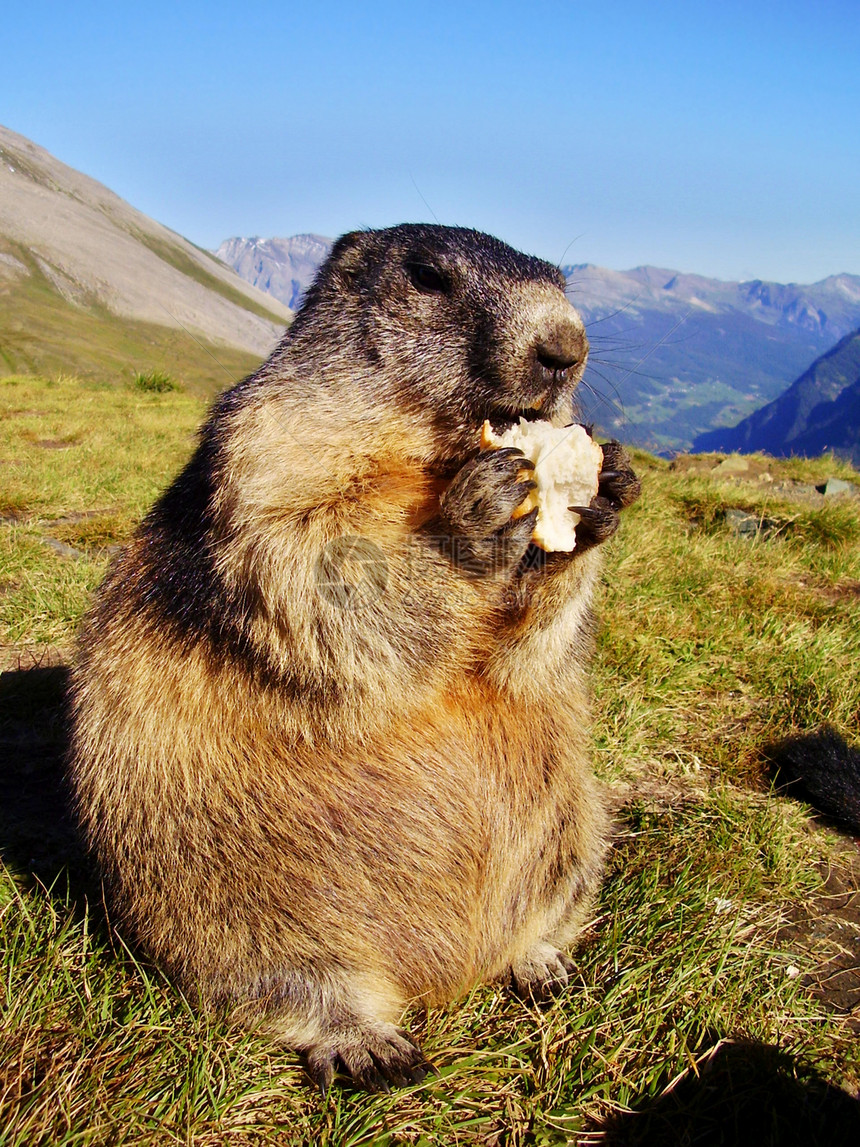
(427,278)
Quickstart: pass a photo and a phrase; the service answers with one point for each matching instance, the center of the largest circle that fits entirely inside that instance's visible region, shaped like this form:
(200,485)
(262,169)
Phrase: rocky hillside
(819,411)
(673,355)
(76,258)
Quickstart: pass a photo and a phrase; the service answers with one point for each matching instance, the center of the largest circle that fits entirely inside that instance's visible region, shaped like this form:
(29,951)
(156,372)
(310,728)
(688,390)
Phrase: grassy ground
(702,1009)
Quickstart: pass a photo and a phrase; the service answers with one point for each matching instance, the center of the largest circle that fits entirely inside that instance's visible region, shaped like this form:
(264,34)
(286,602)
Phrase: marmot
(331,726)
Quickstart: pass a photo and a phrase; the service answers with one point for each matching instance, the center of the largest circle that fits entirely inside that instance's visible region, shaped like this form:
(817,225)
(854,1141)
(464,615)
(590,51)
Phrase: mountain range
(682,354)
(90,285)
(673,355)
(820,411)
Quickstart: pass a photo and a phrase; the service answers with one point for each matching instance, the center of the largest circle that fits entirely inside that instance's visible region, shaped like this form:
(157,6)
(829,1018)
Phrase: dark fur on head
(386,294)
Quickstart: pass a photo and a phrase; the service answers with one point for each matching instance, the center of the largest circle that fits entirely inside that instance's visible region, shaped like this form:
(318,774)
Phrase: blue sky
(722,138)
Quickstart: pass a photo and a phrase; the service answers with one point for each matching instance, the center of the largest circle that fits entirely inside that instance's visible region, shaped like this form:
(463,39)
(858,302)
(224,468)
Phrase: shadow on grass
(822,769)
(38,839)
(744,1093)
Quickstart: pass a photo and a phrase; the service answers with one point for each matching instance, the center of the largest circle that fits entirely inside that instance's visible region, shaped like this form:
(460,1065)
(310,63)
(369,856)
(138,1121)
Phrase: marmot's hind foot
(375,1059)
(543,973)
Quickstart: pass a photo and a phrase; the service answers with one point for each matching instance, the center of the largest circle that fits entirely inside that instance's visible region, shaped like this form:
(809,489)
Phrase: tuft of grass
(13,507)
(93,532)
(155,381)
(834,526)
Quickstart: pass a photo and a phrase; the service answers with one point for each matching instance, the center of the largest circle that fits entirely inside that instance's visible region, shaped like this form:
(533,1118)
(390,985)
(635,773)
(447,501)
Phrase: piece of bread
(567,463)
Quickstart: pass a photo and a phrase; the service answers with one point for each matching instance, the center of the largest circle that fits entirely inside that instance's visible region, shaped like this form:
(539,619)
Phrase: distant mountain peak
(283,267)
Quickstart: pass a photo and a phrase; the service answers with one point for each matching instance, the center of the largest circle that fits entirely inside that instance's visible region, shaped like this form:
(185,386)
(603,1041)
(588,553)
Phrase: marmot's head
(448,324)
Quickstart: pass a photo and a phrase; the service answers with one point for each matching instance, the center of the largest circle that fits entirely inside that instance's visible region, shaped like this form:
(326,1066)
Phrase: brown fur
(318,811)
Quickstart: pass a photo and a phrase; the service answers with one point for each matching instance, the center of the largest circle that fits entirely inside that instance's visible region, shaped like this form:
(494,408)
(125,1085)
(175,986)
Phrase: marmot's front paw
(477,508)
(618,487)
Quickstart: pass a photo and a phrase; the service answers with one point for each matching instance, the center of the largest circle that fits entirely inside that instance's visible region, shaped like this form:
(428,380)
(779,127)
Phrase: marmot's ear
(348,255)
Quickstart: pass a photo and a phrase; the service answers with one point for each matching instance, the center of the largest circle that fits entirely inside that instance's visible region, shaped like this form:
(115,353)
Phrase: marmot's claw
(542,974)
(477,508)
(322,1074)
(421,1070)
(598,522)
(373,1081)
(507,457)
(617,482)
(376,1061)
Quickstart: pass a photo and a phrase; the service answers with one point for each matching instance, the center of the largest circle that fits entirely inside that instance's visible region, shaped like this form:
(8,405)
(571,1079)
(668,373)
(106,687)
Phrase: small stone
(61,548)
(741,523)
(694,463)
(835,486)
(746,525)
(734,464)
(803,490)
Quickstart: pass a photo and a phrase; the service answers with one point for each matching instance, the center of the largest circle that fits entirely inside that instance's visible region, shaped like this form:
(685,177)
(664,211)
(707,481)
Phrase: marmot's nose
(552,359)
(566,347)
(559,351)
